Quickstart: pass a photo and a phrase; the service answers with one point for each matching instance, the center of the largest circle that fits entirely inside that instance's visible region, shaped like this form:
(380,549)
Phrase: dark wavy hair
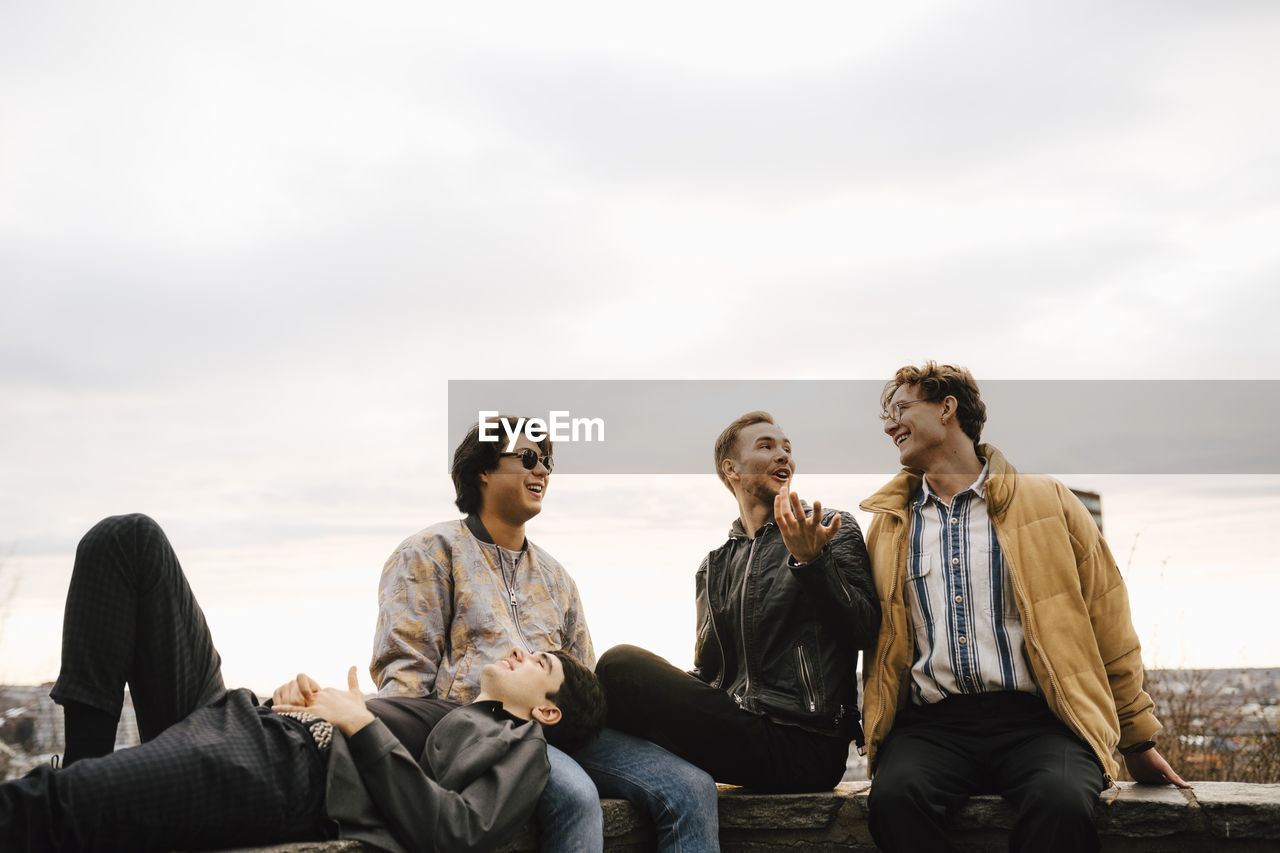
(474,457)
(937,382)
(582,706)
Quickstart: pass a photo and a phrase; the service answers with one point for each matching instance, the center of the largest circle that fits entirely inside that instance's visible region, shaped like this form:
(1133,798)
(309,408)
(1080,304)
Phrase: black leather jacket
(782,639)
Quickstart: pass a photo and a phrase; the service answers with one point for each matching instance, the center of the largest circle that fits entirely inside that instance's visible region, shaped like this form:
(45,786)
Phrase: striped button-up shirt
(968,632)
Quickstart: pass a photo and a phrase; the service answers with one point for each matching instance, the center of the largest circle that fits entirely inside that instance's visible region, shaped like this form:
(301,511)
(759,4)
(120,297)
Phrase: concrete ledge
(1212,816)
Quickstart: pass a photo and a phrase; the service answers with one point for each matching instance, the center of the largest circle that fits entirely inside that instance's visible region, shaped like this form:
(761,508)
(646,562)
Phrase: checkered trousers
(232,774)
(131,617)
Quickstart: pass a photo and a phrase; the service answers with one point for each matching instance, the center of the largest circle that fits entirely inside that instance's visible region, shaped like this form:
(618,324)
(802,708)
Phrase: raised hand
(804,536)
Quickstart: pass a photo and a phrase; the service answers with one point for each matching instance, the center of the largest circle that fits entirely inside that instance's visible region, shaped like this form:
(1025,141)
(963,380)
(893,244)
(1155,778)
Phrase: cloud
(246,246)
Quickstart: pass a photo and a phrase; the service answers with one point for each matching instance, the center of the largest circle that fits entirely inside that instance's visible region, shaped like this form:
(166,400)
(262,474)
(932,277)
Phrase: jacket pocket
(923,608)
(808,679)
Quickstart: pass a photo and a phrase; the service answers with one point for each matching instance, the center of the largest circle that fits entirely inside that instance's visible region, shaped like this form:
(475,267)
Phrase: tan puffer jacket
(1083,649)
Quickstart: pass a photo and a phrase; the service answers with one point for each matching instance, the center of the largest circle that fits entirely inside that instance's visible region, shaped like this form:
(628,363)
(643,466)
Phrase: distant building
(31,727)
(1093,502)
(32,722)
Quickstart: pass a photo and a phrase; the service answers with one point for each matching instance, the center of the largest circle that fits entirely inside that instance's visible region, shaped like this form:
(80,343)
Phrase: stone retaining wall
(1212,816)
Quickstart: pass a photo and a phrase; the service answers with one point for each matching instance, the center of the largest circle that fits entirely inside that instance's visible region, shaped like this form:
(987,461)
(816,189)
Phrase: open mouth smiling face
(899,434)
(762,460)
(513,490)
(535,487)
(914,427)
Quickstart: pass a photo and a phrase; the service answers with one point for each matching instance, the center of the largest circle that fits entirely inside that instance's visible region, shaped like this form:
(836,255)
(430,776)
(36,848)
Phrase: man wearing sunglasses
(218,770)
(456,594)
(1007,660)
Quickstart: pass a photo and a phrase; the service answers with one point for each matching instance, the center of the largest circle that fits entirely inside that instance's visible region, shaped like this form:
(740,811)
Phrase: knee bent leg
(121,530)
(620,657)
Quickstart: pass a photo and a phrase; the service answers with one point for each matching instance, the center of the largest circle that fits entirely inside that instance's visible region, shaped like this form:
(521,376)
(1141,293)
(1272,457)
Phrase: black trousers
(1006,743)
(131,618)
(216,769)
(650,698)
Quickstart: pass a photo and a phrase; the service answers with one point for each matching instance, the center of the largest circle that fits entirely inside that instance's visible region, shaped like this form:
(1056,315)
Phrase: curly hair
(937,382)
(474,457)
(582,706)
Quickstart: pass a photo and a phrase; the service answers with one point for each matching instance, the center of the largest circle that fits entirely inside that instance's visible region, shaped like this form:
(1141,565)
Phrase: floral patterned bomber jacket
(451,601)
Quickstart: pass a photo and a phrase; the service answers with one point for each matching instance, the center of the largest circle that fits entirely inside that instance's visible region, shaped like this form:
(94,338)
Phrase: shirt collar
(477,528)
(978,486)
(494,709)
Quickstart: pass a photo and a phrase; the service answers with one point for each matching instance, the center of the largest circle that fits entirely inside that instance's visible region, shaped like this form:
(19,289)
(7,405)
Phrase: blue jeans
(569,816)
(680,799)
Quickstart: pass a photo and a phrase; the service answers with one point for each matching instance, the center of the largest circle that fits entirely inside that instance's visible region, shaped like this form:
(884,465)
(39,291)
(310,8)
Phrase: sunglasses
(529,458)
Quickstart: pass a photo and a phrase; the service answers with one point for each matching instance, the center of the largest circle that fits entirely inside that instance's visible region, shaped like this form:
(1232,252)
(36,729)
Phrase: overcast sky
(245,246)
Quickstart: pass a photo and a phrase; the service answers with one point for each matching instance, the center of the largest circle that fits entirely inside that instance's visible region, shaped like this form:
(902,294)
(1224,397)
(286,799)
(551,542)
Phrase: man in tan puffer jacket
(1007,660)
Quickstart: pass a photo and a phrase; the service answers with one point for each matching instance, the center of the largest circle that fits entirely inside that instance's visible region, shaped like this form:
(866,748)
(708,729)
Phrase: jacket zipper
(883,654)
(742,609)
(719,679)
(1020,596)
(711,617)
(806,679)
(1058,695)
(511,595)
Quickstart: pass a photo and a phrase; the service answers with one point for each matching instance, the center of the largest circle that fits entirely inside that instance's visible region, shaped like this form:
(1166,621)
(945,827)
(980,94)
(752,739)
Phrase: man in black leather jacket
(784,606)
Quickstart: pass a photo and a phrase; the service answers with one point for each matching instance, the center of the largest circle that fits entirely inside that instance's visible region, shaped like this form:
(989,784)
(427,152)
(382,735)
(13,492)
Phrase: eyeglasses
(893,414)
(529,458)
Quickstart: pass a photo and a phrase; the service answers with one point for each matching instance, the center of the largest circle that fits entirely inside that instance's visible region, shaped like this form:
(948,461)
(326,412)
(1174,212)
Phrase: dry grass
(1213,732)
